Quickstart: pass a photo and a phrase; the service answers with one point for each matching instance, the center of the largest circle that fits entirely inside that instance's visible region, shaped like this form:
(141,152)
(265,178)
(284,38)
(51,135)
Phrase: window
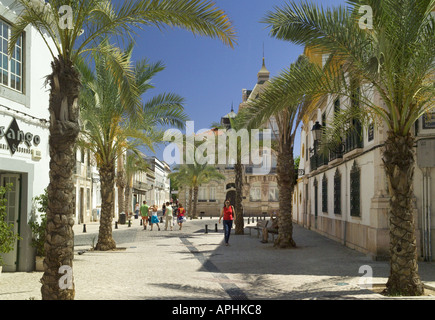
(371,132)
(429,120)
(337,192)
(11,70)
(212,196)
(355,191)
(337,106)
(88,198)
(255,193)
(324,194)
(202,194)
(273,193)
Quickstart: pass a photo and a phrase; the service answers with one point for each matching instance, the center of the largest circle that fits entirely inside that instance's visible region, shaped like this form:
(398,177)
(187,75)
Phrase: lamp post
(317,135)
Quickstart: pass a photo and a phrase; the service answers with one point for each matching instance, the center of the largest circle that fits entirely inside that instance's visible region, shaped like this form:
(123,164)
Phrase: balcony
(317,160)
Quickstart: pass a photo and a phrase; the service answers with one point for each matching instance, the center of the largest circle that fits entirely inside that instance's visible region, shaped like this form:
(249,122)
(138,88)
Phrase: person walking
(144,210)
(168,216)
(181,215)
(228,214)
(154,218)
(136,210)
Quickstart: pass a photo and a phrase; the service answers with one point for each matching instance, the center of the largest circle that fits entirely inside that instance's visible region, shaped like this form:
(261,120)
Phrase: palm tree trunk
(195,201)
(240,227)
(105,239)
(399,165)
(128,200)
(189,205)
(285,176)
(120,183)
(64,129)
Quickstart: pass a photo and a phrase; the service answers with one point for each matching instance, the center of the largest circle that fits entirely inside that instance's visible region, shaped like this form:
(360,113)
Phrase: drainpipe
(426,215)
(429,247)
(423,215)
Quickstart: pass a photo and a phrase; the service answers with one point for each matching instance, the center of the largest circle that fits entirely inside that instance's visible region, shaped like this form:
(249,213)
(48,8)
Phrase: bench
(259,227)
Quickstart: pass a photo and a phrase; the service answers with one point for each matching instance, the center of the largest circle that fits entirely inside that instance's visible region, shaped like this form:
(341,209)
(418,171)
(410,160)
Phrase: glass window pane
(5,62)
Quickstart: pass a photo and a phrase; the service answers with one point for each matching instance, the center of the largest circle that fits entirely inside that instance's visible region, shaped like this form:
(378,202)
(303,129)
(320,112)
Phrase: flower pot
(39,263)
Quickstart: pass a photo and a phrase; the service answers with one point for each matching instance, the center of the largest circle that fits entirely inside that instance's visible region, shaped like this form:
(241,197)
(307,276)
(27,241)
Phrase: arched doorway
(231,195)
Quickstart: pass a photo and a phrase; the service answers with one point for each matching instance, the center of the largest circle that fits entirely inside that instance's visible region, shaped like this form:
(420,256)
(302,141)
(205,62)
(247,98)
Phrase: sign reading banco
(14,137)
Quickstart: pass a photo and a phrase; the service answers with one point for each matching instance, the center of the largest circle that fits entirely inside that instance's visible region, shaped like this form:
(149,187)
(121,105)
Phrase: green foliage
(7,235)
(38,228)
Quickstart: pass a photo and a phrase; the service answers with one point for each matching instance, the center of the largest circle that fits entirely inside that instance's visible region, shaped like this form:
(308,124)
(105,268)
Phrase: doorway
(10,259)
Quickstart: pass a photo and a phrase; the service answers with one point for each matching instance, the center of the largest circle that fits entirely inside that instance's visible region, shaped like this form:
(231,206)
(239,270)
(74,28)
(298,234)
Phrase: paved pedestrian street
(194,265)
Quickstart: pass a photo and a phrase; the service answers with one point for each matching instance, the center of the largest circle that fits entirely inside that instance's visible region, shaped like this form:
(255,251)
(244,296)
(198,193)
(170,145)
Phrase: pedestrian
(181,215)
(168,216)
(228,214)
(144,210)
(154,218)
(136,210)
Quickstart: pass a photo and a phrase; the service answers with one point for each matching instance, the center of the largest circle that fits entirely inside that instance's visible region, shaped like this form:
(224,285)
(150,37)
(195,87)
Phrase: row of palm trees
(396,60)
(108,99)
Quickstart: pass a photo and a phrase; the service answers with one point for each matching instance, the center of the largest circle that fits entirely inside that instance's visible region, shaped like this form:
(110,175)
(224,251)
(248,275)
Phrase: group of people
(149,215)
(170,210)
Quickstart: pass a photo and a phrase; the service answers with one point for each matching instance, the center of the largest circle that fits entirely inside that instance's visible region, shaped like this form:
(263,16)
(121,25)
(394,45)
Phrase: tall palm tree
(110,129)
(236,124)
(288,107)
(394,56)
(91,20)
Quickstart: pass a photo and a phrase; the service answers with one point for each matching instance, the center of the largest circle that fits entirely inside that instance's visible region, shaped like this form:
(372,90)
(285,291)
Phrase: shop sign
(14,137)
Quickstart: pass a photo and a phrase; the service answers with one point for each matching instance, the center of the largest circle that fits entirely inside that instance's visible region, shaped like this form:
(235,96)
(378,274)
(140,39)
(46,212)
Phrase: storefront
(24,164)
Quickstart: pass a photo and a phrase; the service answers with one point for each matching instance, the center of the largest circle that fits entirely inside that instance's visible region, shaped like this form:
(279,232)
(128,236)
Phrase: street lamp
(317,131)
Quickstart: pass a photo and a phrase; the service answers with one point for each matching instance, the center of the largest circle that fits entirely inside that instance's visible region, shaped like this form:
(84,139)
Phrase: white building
(160,189)
(345,197)
(24,153)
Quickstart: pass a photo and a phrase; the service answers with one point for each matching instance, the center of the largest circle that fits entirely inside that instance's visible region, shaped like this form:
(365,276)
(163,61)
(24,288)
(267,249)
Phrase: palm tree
(236,124)
(193,176)
(91,20)
(110,129)
(287,106)
(395,57)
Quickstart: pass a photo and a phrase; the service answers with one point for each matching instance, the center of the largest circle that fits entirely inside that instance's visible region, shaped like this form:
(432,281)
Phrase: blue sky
(208,74)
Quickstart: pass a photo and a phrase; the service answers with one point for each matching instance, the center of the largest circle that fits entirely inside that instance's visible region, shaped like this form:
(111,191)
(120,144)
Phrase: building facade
(24,116)
(344,195)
